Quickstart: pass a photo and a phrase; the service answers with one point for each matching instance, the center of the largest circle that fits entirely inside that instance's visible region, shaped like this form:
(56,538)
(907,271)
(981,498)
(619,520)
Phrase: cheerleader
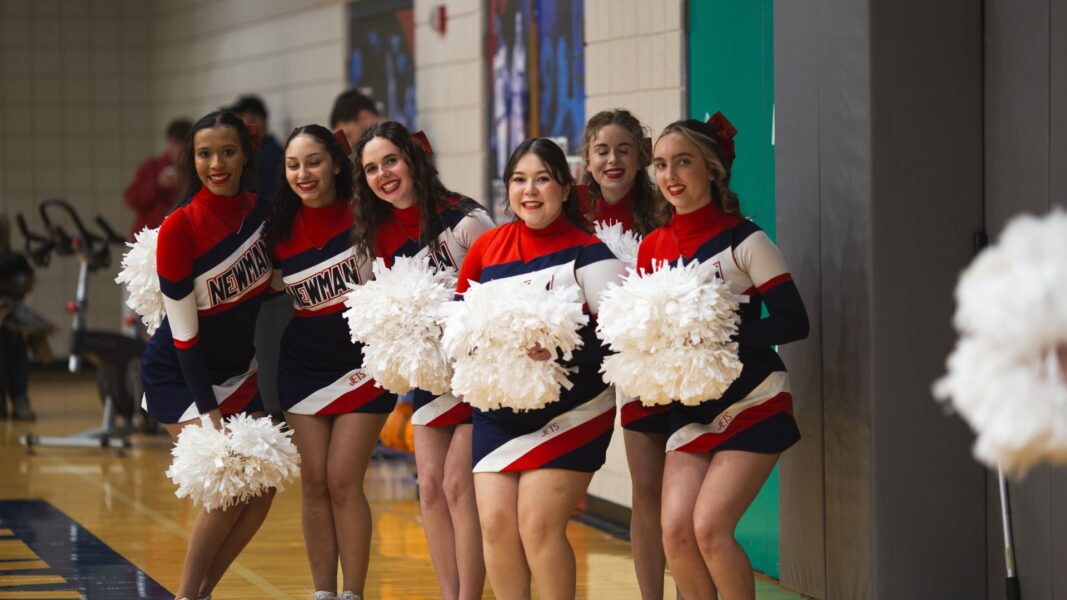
(403,209)
(532,468)
(720,452)
(213,271)
(620,190)
(335,409)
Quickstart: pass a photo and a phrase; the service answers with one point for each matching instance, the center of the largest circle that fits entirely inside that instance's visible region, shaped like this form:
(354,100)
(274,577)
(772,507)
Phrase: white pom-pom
(623,244)
(671,330)
(490,332)
(397,317)
(222,468)
(1004,377)
(139,275)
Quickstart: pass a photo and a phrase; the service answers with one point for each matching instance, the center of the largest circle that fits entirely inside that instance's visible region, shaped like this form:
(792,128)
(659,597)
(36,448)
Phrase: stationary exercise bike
(117,357)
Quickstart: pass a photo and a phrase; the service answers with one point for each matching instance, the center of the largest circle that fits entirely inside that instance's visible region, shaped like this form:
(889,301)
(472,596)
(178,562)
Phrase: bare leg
(431,451)
(351,444)
(209,531)
(731,484)
(547,498)
(242,532)
(683,475)
(312,437)
(463,508)
(498,510)
(645,455)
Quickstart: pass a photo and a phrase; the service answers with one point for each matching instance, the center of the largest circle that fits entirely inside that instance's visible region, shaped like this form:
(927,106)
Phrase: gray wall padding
(1026,156)
(801,524)
(893,169)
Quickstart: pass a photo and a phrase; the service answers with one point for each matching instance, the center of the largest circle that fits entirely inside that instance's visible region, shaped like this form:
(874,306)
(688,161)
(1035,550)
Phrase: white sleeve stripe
(760,258)
(184,322)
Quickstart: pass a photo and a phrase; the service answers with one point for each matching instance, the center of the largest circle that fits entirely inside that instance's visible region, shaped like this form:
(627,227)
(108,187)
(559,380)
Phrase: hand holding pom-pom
(502,337)
(672,332)
(223,467)
(139,275)
(1007,376)
(397,316)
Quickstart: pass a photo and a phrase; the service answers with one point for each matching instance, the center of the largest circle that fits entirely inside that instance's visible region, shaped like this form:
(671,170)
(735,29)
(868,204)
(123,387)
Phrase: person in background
(157,185)
(276,311)
(353,113)
(620,190)
(21,330)
(253,111)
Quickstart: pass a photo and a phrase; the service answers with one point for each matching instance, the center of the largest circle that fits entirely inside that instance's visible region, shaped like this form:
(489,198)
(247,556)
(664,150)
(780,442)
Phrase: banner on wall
(381,56)
(536,70)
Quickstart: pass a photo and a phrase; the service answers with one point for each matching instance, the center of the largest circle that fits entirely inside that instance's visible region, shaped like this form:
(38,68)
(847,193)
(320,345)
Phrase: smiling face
(534,196)
(219,159)
(310,170)
(613,161)
(387,173)
(681,173)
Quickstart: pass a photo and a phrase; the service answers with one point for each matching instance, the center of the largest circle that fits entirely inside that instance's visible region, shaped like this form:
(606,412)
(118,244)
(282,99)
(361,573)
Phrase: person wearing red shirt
(158,183)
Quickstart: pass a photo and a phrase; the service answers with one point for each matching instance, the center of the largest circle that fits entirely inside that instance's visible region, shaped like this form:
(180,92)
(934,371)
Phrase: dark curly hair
(649,208)
(286,204)
(555,162)
(370,211)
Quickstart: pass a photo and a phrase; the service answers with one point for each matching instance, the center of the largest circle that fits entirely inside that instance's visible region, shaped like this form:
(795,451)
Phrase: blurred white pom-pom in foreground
(1005,375)
(489,333)
(672,333)
(397,317)
(139,275)
(220,468)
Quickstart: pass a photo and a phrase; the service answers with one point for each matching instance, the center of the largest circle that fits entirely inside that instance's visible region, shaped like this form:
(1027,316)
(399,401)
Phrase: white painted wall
(207,53)
(450,75)
(74,123)
(634,59)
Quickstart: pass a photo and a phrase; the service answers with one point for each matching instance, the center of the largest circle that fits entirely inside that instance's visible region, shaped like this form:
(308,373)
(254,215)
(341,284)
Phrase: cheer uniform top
(756,412)
(400,236)
(214,270)
(320,370)
(573,432)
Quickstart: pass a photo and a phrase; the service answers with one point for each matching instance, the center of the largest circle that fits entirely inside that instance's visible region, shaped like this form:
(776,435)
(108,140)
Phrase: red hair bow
(342,140)
(253,134)
(725,131)
(419,137)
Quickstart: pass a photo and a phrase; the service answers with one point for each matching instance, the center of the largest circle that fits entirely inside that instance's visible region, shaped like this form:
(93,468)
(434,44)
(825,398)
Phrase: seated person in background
(157,185)
(20,329)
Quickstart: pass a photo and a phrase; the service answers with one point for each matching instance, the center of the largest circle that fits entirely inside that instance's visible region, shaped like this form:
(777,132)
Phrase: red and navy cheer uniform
(214,270)
(572,433)
(755,413)
(320,370)
(632,414)
(464,220)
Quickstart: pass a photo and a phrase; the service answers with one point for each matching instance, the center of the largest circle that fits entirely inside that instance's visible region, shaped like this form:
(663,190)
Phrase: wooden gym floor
(91,523)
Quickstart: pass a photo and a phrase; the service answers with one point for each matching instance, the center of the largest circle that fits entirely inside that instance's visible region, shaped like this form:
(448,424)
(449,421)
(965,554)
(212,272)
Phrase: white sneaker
(350,596)
(324,596)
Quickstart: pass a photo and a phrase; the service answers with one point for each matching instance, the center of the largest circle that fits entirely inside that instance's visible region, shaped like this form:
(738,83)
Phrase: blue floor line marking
(89,566)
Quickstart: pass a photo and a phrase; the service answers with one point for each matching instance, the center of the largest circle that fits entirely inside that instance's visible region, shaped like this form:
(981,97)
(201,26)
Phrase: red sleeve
(174,253)
(143,191)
